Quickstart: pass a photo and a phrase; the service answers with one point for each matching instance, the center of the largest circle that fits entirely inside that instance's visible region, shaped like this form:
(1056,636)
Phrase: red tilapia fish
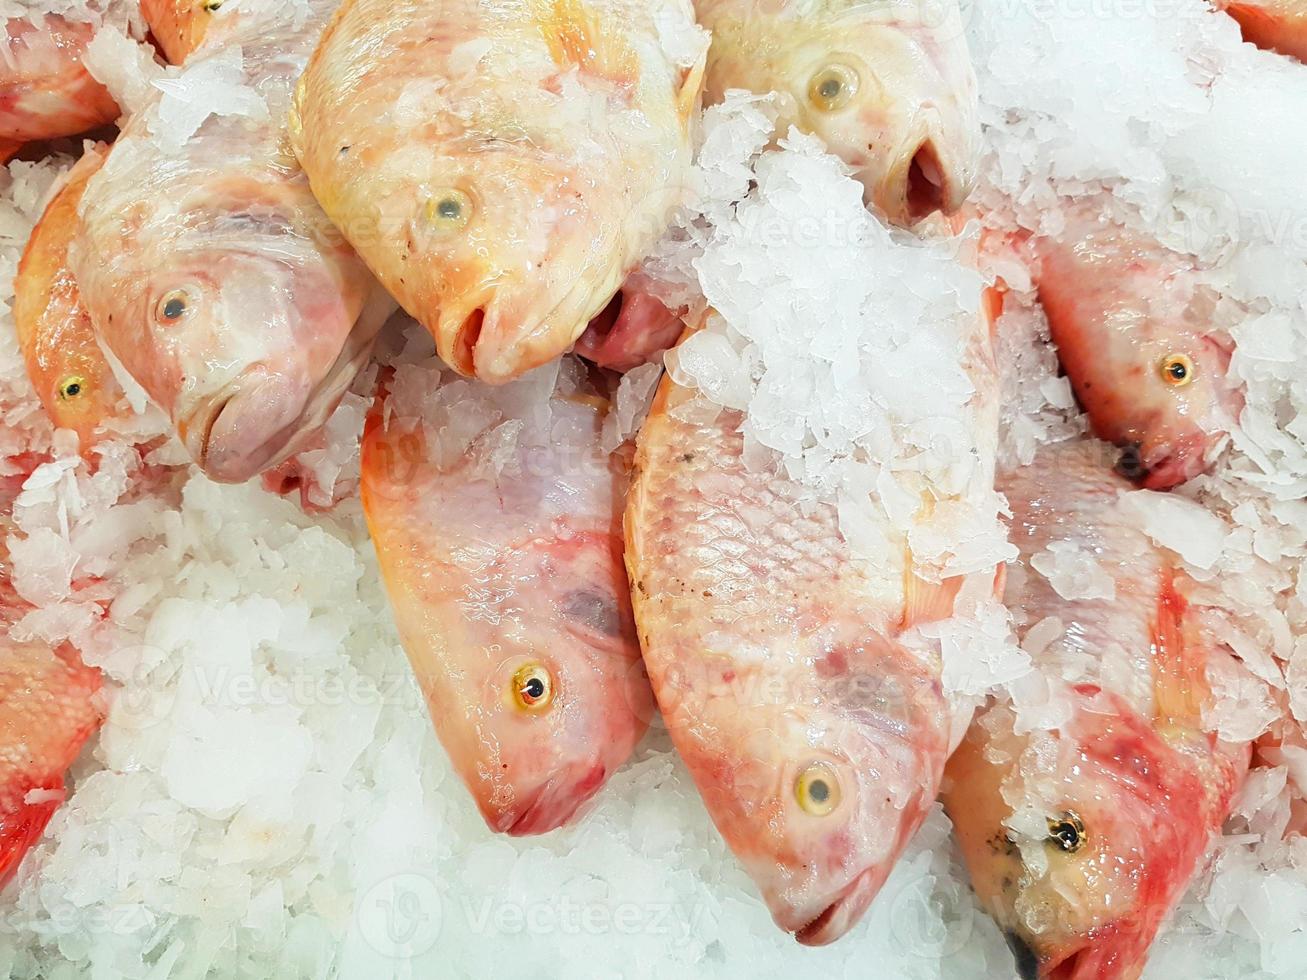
(45,90)
(208,269)
(1081,840)
(63,358)
(501,165)
(496,519)
(1276,25)
(887,85)
(1134,337)
(49,706)
(816,735)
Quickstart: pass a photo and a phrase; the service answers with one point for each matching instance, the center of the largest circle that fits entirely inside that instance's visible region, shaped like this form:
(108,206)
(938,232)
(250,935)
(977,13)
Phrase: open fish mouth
(844,910)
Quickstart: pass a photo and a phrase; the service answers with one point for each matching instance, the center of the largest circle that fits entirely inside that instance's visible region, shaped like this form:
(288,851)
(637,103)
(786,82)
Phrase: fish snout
(933,172)
(245,428)
(1163,465)
(843,911)
(552,804)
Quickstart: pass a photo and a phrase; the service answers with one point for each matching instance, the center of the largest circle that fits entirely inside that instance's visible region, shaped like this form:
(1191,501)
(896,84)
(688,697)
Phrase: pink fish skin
(1134,339)
(1081,841)
(212,275)
(816,737)
(507,586)
(45,90)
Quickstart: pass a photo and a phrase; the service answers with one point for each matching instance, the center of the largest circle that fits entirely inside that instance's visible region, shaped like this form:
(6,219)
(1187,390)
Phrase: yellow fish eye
(172,306)
(212,5)
(1066,832)
(817,789)
(533,687)
(833,87)
(1177,370)
(71,387)
(449,210)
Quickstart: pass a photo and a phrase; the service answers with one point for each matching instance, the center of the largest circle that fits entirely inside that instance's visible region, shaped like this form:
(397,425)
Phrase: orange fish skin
(63,358)
(500,166)
(48,709)
(45,90)
(1123,312)
(499,580)
(1274,25)
(178,26)
(1120,800)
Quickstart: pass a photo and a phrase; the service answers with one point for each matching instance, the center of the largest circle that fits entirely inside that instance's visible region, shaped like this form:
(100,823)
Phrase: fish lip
(552,805)
(1026,959)
(843,911)
(283,442)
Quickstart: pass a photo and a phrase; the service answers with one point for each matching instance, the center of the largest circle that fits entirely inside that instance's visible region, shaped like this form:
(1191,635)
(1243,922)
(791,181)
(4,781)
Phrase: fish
(888,86)
(1136,340)
(49,707)
(1274,25)
(45,90)
(179,26)
(501,166)
(816,736)
(496,517)
(71,376)
(211,274)
(1080,841)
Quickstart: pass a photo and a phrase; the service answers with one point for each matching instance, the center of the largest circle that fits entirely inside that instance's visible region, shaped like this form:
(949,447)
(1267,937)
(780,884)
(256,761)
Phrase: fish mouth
(262,417)
(921,181)
(1163,467)
(553,804)
(843,912)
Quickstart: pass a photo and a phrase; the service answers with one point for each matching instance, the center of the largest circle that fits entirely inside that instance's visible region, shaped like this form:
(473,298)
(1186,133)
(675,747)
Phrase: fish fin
(923,601)
(578,38)
(1180,689)
(687,100)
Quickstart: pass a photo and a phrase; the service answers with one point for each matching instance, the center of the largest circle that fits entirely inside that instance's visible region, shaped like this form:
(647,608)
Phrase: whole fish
(816,737)
(207,266)
(179,26)
(887,85)
(501,165)
(1276,25)
(1135,340)
(1081,840)
(45,90)
(496,519)
(63,358)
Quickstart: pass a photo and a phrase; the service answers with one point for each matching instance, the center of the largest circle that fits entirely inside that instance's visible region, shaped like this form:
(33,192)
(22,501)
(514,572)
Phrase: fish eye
(832,87)
(1176,370)
(71,387)
(172,306)
(449,210)
(533,687)
(212,5)
(1066,832)
(817,789)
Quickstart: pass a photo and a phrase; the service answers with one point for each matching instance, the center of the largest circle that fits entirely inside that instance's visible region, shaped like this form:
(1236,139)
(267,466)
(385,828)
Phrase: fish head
(556,699)
(1137,343)
(519,253)
(1079,846)
(893,100)
(519,629)
(820,790)
(78,388)
(248,345)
